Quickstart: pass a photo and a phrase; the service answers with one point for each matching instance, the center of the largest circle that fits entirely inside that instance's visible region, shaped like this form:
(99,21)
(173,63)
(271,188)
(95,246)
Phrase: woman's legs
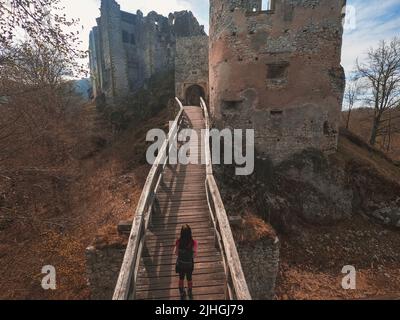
(188,275)
(182,284)
(181,279)
(190,284)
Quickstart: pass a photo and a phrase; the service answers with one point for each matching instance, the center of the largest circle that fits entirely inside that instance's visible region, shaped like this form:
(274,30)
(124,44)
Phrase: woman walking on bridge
(186,251)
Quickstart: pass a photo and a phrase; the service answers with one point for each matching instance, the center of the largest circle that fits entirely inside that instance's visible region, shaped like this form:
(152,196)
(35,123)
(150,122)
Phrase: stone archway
(193,94)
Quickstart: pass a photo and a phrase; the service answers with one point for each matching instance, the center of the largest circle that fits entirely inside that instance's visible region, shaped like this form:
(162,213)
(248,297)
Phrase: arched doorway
(193,94)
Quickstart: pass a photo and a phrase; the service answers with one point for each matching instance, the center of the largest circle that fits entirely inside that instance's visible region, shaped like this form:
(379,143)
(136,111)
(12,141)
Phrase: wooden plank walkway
(182,200)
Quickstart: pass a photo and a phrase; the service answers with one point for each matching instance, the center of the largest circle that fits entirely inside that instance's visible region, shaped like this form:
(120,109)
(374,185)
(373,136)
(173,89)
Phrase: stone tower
(191,69)
(126,49)
(115,63)
(275,68)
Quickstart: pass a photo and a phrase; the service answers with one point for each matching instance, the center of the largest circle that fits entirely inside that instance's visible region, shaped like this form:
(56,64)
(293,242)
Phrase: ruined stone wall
(278,72)
(103,264)
(114,55)
(93,60)
(260,263)
(148,45)
(132,48)
(191,65)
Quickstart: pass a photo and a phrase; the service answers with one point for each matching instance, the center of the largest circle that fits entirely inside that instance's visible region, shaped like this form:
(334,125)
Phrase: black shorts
(184,268)
(186,272)
(187,275)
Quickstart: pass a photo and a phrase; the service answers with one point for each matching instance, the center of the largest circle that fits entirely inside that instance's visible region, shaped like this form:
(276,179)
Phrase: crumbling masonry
(127,49)
(278,71)
(274,66)
(191,69)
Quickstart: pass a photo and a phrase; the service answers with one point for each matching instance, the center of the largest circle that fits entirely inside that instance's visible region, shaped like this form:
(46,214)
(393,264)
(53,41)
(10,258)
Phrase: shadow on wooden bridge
(174,195)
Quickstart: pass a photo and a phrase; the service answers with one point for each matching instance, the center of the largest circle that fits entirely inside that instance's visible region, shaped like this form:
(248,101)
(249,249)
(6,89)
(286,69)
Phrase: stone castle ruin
(191,69)
(127,49)
(272,66)
(276,69)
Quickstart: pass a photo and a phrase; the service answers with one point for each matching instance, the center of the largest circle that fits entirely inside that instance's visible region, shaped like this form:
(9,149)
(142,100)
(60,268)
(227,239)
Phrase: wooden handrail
(127,277)
(179,103)
(207,151)
(231,259)
(236,283)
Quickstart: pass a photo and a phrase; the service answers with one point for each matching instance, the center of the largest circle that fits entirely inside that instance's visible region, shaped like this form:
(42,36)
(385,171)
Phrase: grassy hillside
(361,124)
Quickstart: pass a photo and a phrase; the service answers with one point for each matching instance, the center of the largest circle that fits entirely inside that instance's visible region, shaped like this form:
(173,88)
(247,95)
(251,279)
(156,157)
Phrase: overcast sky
(374,20)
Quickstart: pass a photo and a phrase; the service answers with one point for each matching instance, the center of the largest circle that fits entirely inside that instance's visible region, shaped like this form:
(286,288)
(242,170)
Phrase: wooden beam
(179,103)
(206,141)
(232,257)
(235,220)
(125,227)
(130,264)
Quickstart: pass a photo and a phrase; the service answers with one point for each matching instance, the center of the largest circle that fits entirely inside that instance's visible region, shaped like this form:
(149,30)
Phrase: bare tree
(36,65)
(33,66)
(389,127)
(381,70)
(35,99)
(43,21)
(352,94)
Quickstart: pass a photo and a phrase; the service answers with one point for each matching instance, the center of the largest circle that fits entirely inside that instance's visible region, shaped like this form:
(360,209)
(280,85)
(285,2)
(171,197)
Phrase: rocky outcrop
(324,190)
(313,188)
(389,215)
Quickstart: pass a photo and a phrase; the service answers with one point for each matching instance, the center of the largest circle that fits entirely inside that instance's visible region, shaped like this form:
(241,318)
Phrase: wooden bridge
(175,195)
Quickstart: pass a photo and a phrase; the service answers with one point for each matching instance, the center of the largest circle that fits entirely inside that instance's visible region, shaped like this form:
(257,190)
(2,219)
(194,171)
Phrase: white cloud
(376,20)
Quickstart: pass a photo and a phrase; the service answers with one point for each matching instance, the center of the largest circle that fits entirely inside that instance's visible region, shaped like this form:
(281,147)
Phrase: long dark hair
(186,239)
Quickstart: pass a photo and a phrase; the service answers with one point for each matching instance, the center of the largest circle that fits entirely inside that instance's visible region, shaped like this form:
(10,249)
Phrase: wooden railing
(236,285)
(126,283)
